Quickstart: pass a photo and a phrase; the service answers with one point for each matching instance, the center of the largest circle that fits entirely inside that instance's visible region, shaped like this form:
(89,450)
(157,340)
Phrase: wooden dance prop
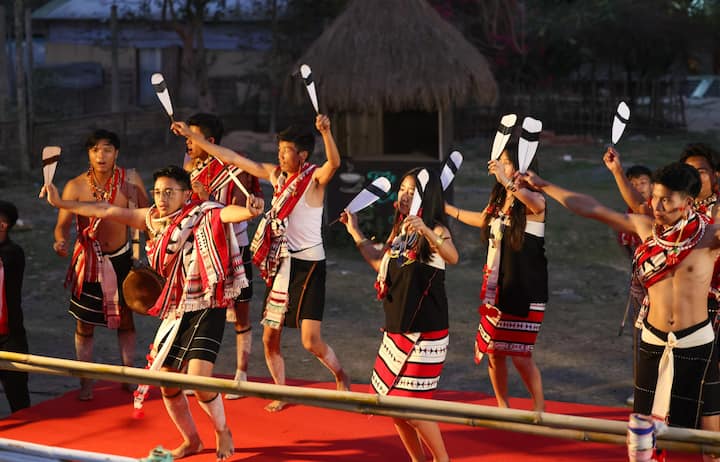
(50,158)
(502,136)
(422,178)
(622,117)
(528,143)
(538,423)
(306,74)
(370,194)
(450,169)
(158,83)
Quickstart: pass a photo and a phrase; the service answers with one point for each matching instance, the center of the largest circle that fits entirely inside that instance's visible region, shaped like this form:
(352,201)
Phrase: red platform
(298,433)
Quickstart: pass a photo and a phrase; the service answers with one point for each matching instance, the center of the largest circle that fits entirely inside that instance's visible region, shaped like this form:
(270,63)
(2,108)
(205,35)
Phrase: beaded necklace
(682,242)
(105,192)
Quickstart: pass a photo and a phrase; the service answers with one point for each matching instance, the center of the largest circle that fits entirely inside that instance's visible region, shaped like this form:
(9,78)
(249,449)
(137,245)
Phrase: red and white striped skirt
(510,335)
(410,364)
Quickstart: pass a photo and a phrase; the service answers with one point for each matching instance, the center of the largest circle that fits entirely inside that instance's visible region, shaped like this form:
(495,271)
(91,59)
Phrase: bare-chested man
(101,257)
(288,245)
(677,378)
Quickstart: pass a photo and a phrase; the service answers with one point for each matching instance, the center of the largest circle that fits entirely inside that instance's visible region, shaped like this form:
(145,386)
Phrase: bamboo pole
(56,453)
(545,424)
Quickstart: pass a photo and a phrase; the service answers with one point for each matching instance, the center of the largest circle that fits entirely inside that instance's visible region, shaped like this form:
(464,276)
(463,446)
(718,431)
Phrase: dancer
(288,246)
(411,284)
(101,258)
(212,179)
(677,377)
(203,281)
(12,329)
(515,285)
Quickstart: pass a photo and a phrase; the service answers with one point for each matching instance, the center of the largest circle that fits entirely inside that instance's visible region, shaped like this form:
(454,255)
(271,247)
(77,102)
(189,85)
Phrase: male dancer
(102,256)
(213,180)
(288,246)
(198,255)
(677,379)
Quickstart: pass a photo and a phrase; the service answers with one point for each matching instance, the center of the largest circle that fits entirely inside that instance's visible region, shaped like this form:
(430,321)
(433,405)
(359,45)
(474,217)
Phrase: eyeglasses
(167,193)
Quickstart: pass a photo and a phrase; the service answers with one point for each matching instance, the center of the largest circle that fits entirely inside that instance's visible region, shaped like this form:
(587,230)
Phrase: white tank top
(304,230)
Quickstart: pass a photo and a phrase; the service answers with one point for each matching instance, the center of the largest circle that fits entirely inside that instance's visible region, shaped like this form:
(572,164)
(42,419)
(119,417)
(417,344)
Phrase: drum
(141,289)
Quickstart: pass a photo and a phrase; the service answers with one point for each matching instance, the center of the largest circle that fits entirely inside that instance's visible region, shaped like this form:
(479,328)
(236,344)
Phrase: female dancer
(411,284)
(515,283)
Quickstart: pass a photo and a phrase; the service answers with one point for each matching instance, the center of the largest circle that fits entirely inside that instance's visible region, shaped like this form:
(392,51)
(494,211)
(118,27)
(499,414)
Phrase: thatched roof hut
(394,69)
(396,55)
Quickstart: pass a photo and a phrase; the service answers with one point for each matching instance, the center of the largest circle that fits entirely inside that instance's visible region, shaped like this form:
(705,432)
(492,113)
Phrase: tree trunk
(114,66)
(4,69)
(21,95)
(29,60)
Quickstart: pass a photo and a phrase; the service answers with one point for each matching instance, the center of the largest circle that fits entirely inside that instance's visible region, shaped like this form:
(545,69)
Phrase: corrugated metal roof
(99,10)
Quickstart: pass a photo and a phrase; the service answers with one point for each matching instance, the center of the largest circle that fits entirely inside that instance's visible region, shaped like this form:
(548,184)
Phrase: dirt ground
(579,352)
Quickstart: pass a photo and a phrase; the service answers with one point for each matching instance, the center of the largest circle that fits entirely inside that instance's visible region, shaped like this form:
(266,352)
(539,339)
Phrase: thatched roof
(396,55)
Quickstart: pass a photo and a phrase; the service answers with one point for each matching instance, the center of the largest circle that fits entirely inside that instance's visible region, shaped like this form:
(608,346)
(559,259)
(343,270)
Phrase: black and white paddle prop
(452,165)
(306,74)
(502,136)
(158,82)
(622,117)
(370,194)
(50,158)
(528,143)
(422,178)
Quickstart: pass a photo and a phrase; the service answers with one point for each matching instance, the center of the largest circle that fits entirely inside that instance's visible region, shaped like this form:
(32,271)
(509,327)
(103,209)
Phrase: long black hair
(433,210)
(518,219)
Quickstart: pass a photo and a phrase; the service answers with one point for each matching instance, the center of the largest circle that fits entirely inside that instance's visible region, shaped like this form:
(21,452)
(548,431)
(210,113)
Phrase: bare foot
(187,448)
(86,390)
(275,406)
(342,381)
(224,444)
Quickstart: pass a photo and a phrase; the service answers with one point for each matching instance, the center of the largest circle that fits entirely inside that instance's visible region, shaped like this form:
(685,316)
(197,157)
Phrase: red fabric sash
(654,260)
(84,265)
(215,177)
(287,194)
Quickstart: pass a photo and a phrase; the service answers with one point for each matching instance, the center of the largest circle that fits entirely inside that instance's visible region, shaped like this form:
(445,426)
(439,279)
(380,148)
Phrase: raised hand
(495,168)
(322,123)
(534,180)
(181,129)
(612,160)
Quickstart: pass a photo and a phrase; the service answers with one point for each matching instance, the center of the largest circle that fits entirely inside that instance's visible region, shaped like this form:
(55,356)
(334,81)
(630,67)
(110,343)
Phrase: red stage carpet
(298,433)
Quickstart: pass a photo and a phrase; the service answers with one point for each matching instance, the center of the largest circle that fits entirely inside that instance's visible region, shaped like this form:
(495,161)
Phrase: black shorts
(88,308)
(696,382)
(247,292)
(199,337)
(306,291)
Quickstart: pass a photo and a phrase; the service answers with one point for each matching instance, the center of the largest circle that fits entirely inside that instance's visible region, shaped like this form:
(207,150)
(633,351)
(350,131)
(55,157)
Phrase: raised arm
(367,249)
(236,213)
(129,217)
(632,198)
(587,206)
(224,154)
(324,174)
(468,217)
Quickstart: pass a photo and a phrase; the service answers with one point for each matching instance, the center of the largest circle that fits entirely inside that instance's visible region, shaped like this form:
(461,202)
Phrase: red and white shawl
(665,249)
(88,263)
(491,271)
(199,257)
(217,179)
(269,245)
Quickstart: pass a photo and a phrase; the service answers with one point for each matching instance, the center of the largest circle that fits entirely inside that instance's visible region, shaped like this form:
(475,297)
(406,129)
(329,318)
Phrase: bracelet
(362,242)
(439,241)
(509,185)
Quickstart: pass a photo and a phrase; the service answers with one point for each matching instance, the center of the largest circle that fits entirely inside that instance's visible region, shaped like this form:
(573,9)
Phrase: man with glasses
(101,257)
(193,247)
